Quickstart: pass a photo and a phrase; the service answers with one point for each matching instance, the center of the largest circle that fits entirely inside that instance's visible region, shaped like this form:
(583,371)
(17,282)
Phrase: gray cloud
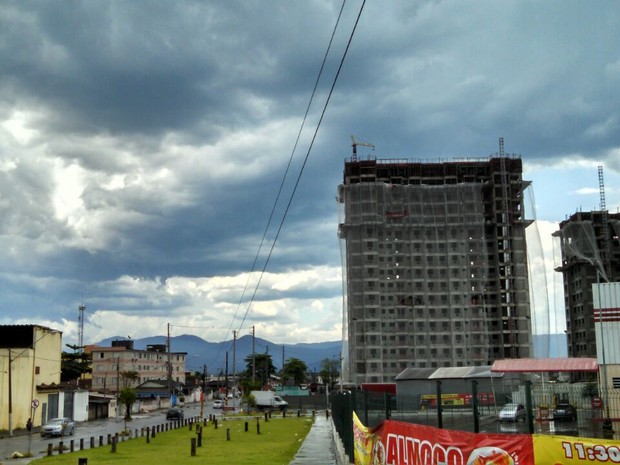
(142,144)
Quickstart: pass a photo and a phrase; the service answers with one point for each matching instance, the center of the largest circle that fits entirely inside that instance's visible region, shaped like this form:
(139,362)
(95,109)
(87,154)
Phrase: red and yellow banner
(399,443)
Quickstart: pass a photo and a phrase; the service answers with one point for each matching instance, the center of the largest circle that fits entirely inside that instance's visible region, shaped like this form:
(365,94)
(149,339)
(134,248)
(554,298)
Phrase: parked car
(58,427)
(218,404)
(564,411)
(174,413)
(512,412)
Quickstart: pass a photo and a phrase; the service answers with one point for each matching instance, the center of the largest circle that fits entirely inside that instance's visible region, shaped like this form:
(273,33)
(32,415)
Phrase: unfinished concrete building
(590,254)
(435,264)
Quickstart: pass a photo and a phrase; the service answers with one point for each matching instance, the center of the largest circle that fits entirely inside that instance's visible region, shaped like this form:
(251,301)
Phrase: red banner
(399,443)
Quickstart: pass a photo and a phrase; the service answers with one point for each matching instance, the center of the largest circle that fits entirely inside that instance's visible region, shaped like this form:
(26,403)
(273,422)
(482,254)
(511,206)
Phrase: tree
(130,377)
(264,368)
(74,364)
(330,369)
(295,369)
(127,397)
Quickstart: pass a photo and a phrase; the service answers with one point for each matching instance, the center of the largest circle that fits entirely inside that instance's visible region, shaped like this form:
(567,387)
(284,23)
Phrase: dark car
(564,411)
(174,413)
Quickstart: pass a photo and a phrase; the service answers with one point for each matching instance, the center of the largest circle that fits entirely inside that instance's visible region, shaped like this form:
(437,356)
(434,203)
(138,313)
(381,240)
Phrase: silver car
(58,427)
(512,412)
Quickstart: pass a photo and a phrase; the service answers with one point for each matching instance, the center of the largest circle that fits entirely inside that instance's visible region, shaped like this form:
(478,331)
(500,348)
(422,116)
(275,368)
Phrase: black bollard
(148,435)
(71,447)
(92,442)
(50,449)
(113,449)
(266,417)
(246,426)
(193,446)
(199,437)
(257,425)
(81,443)
(215,423)
(61,447)
(100,441)
(228,434)
(82,461)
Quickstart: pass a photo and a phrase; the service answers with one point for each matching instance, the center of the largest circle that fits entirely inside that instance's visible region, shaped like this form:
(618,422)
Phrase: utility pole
(10,395)
(267,365)
(234,358)
(118,373)
(169,364)
(204,391)
(253,355)
(226,381)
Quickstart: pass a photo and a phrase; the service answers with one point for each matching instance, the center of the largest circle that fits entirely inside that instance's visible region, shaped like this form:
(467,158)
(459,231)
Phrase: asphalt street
(23,442)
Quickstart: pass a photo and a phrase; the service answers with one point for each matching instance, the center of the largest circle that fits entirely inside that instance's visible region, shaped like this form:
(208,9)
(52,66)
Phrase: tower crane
(355,143)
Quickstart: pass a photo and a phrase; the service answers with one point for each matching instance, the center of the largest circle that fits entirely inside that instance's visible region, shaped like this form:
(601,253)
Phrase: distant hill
(213,354)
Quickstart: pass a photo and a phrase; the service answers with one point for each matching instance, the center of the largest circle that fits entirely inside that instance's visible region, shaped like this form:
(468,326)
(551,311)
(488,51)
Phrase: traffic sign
(35,403)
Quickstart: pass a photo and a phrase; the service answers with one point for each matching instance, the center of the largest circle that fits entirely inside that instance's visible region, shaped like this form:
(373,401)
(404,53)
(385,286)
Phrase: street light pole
(10,395)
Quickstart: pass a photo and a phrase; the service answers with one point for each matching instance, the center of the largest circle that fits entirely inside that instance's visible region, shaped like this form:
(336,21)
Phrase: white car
(58,427)
(512,412)
(218,404)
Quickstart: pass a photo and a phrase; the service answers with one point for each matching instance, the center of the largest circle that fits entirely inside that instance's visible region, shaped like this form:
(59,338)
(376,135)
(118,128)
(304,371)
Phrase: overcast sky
(142,145)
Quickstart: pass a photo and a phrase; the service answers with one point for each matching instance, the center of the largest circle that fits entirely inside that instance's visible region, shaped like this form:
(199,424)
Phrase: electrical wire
(284,177)
(344,55)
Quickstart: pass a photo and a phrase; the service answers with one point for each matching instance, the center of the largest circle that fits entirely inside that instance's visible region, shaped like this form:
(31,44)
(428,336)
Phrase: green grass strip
(277,443)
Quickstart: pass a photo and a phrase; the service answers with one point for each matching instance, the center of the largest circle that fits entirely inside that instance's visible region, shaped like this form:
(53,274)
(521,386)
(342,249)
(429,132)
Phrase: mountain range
(213,354)
(201,353)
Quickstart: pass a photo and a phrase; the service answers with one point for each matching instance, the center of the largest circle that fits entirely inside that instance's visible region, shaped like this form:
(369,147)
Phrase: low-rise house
(30,364)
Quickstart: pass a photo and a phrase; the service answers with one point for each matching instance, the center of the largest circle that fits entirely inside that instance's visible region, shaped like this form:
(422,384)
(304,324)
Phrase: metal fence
(597,414)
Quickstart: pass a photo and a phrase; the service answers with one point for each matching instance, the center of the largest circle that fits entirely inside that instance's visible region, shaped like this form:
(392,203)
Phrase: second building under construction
(436,264)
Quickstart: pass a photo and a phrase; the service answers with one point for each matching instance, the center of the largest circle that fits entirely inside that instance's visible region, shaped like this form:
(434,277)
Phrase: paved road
(85,430)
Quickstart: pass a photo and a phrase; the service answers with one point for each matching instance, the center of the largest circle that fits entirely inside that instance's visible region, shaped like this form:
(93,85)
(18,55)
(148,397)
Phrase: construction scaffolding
(435,265)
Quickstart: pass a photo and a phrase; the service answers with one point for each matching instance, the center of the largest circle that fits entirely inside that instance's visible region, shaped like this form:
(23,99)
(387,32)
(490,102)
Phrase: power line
(344,55)
(281,187)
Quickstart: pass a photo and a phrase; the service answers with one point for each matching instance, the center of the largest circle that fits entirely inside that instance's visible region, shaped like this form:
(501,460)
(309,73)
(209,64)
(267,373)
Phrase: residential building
(590,255)
(30,361)
(436,264)
(154,363)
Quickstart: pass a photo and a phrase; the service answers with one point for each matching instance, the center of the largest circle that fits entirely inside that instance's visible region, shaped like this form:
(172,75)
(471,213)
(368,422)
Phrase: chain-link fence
(575,409)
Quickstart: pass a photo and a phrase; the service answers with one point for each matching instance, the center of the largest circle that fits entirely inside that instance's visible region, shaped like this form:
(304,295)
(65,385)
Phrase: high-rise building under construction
(590,255)
(436,264)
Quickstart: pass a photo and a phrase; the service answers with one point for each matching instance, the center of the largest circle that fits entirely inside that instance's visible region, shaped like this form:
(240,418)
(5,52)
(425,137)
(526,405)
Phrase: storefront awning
(537,365)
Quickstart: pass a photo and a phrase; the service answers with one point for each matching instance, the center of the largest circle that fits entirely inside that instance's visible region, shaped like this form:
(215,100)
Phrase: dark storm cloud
(142,144)
(151,66)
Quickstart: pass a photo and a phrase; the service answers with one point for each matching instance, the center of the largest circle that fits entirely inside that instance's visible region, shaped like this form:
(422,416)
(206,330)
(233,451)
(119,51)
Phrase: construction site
(435,264)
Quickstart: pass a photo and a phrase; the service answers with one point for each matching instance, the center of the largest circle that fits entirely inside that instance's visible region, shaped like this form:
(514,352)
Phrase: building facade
(590,254)
(30,361)
(435,265)
(154,363)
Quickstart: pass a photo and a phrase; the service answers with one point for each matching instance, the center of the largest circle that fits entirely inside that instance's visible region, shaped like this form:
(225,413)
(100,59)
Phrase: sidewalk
(318,447)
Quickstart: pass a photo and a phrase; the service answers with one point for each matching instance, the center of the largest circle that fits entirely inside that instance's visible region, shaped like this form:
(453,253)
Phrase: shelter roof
(532,365)
(463,372)
(415,373)
(447,373)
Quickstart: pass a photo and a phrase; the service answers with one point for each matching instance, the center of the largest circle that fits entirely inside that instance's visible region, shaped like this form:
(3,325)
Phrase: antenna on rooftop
(601,188)
(81,309)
